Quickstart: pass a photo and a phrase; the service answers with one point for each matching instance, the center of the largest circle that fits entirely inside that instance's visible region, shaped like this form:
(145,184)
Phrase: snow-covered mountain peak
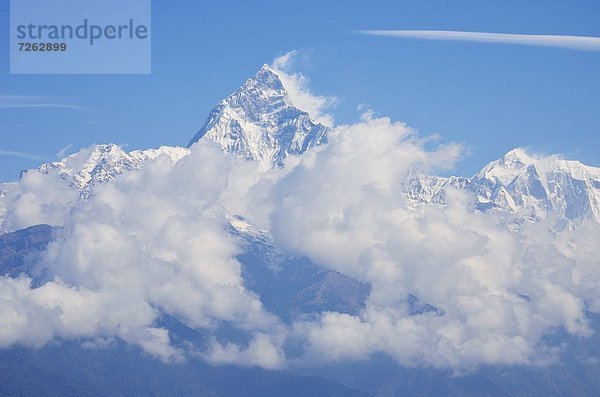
(517,154)
(505,169)
(530,187)
(101,163)
(266,79)
(518,162)
(257,123)
(517,158)
(88,158)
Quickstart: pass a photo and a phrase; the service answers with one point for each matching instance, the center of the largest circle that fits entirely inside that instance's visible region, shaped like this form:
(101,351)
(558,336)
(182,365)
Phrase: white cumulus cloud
(298,93)
(155,242)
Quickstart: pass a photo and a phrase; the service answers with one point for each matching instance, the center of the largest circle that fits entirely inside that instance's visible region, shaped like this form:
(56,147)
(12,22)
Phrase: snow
(102,163)
(518,183)
(257,123)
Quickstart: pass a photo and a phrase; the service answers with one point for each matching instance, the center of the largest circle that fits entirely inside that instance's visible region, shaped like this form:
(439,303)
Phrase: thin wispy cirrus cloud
(63,151)
(23,155)
(35,101)
(32,156)
(582,43)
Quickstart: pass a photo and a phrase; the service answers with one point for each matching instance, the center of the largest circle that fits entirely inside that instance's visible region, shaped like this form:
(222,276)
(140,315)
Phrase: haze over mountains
(311,246)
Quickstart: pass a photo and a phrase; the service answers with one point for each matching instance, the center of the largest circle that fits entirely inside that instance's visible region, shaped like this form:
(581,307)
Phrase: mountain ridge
(101,163)
(257,123)
(518,183)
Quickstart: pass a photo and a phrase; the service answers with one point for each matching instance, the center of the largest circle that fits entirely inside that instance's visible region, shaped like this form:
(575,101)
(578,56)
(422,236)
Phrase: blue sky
(492,97)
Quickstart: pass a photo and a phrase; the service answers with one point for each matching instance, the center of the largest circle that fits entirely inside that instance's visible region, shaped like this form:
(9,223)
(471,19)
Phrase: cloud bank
(584,43)
(497,293)
(151,243)
(155,242)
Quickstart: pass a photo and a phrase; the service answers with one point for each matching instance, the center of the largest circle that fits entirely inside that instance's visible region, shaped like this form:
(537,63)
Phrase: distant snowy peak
(257,123)
(542,187)
(518,183)
(101,163)
(505,169)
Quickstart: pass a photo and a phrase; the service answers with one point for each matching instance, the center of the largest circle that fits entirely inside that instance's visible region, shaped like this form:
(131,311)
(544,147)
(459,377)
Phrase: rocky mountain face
(257,123)
(20,250)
